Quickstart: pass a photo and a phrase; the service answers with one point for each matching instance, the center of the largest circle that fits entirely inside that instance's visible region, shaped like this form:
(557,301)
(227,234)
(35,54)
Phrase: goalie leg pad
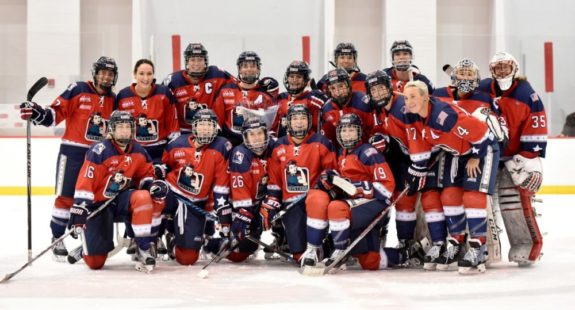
(519,219)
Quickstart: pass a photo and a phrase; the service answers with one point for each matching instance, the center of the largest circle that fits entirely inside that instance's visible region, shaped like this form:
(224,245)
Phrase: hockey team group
(206,161)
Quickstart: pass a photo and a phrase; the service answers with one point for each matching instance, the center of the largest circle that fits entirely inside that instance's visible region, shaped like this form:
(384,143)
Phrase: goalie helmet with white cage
(401,62)
(348,131)
(204,126)
(295,86)
(255,134)
(503,67)
(378,87)
(105,63)
(117,118)
(296,128)
(465,76)
(196,50)
(248,77)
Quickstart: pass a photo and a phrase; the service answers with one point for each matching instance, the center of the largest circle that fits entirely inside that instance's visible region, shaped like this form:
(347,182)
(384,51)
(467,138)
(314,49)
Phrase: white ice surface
(259,284)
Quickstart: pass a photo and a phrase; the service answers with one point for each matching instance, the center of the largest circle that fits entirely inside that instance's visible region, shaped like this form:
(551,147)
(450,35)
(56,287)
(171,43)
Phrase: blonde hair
(422,87)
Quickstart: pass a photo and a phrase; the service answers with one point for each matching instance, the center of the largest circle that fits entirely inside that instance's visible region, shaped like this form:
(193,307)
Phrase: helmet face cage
(399,46)
(245,57)
(346,49)
(499,59)
(105,63)
(349,121)
(196,50)
(379,78)
(335,76)
(204,116)
(298,109)
(254,124)
(465,67)
(119,117)
(297,67)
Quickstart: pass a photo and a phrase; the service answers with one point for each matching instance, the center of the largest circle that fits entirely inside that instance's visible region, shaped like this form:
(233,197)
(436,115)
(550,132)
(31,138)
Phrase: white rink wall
(558,168)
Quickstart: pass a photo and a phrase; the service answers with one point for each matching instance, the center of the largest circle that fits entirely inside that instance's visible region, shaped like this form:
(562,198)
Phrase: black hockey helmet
(119,117)
(398,46)
(296,109)
(297,67)
(105,63)
(353,121)
(245,57)
(379,77)
(344,48)
(204,115)
(335,76)
(196,50)
(255,123)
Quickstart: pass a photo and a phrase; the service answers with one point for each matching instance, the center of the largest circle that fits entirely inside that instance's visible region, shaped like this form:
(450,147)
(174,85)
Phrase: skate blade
(472,270)
(60,258)
(450,267)
(144,268)
(203,273)
(430,266)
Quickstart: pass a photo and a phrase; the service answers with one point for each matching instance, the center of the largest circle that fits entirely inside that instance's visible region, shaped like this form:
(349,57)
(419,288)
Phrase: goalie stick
(31,93)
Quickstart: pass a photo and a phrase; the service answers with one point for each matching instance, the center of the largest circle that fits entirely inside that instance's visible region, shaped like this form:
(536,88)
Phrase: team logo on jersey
(96,128)
(238,157)
(189,180)
(146,129)
(296,178)
(116,182)
(99,148)
(191,108)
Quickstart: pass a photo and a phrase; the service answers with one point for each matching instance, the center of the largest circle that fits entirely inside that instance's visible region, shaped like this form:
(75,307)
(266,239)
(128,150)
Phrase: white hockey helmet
(503,58)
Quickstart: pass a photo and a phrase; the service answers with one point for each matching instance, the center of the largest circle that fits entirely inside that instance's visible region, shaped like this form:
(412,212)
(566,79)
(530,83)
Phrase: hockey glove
(268,210)
(364,190)
(269,85)
(379,142)
(526,172)
(31,111)
(78,217)
(159,190)
(241,224)
(326,180)
(160,171)
(416,179)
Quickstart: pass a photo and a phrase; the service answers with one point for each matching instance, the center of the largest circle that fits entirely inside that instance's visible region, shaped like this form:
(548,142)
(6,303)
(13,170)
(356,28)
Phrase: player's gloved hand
(379,142)
(326,179)
(224,212)
(416,178)
(269,85)
(364,190)
(159,190)
(160,171)
(31,110)
(270,207)
(241,224)
(526,172)
(78,218)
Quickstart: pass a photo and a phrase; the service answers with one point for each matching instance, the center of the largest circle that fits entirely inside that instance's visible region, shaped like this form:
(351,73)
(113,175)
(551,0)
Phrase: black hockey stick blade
(36,87)
(448,69)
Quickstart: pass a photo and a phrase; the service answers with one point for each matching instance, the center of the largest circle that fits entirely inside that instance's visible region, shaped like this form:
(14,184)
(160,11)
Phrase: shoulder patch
(99,148)
(369,151)
(238,157)
(534,97)
(442,117)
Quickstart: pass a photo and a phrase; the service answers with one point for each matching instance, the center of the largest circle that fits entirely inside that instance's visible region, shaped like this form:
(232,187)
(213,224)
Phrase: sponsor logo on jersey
(228,93)
(179,154)
(85,99)
(127,104)
(181,93)
(85,107)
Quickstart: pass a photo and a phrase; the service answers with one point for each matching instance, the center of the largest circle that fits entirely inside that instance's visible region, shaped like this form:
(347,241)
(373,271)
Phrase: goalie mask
(255,134)
(293,84)
(118,132)
(378,87)
(205,126)
(400,60)
(249,67)
(345,49)
(339,86)
(503,67)
(298,121)
(196,69)
(465,76)
(108,64)
(348,131)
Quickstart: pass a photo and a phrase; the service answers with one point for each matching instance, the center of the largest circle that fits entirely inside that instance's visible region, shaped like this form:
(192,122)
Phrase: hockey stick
(286,209)
(197,209)
(319,271)
(71,231)
(268,247)
(31,93)
(223,252)
(344,185)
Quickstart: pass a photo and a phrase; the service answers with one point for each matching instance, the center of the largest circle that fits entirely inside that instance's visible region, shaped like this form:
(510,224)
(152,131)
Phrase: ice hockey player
(117,168)
(197,175)
(296,80)
(294,167)
(345,57)
(197,86)
(469,180)
(407,154)
(86,108)
(343,101)
(402,69)
(521,173)
(249,97)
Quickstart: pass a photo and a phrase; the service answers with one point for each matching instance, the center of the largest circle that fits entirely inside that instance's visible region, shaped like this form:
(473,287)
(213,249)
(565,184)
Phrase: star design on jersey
(474,150)
(537,148)
(221,201)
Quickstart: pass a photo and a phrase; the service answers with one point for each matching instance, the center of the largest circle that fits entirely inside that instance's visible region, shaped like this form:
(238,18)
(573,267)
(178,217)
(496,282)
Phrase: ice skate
(59,251)
(474,259)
